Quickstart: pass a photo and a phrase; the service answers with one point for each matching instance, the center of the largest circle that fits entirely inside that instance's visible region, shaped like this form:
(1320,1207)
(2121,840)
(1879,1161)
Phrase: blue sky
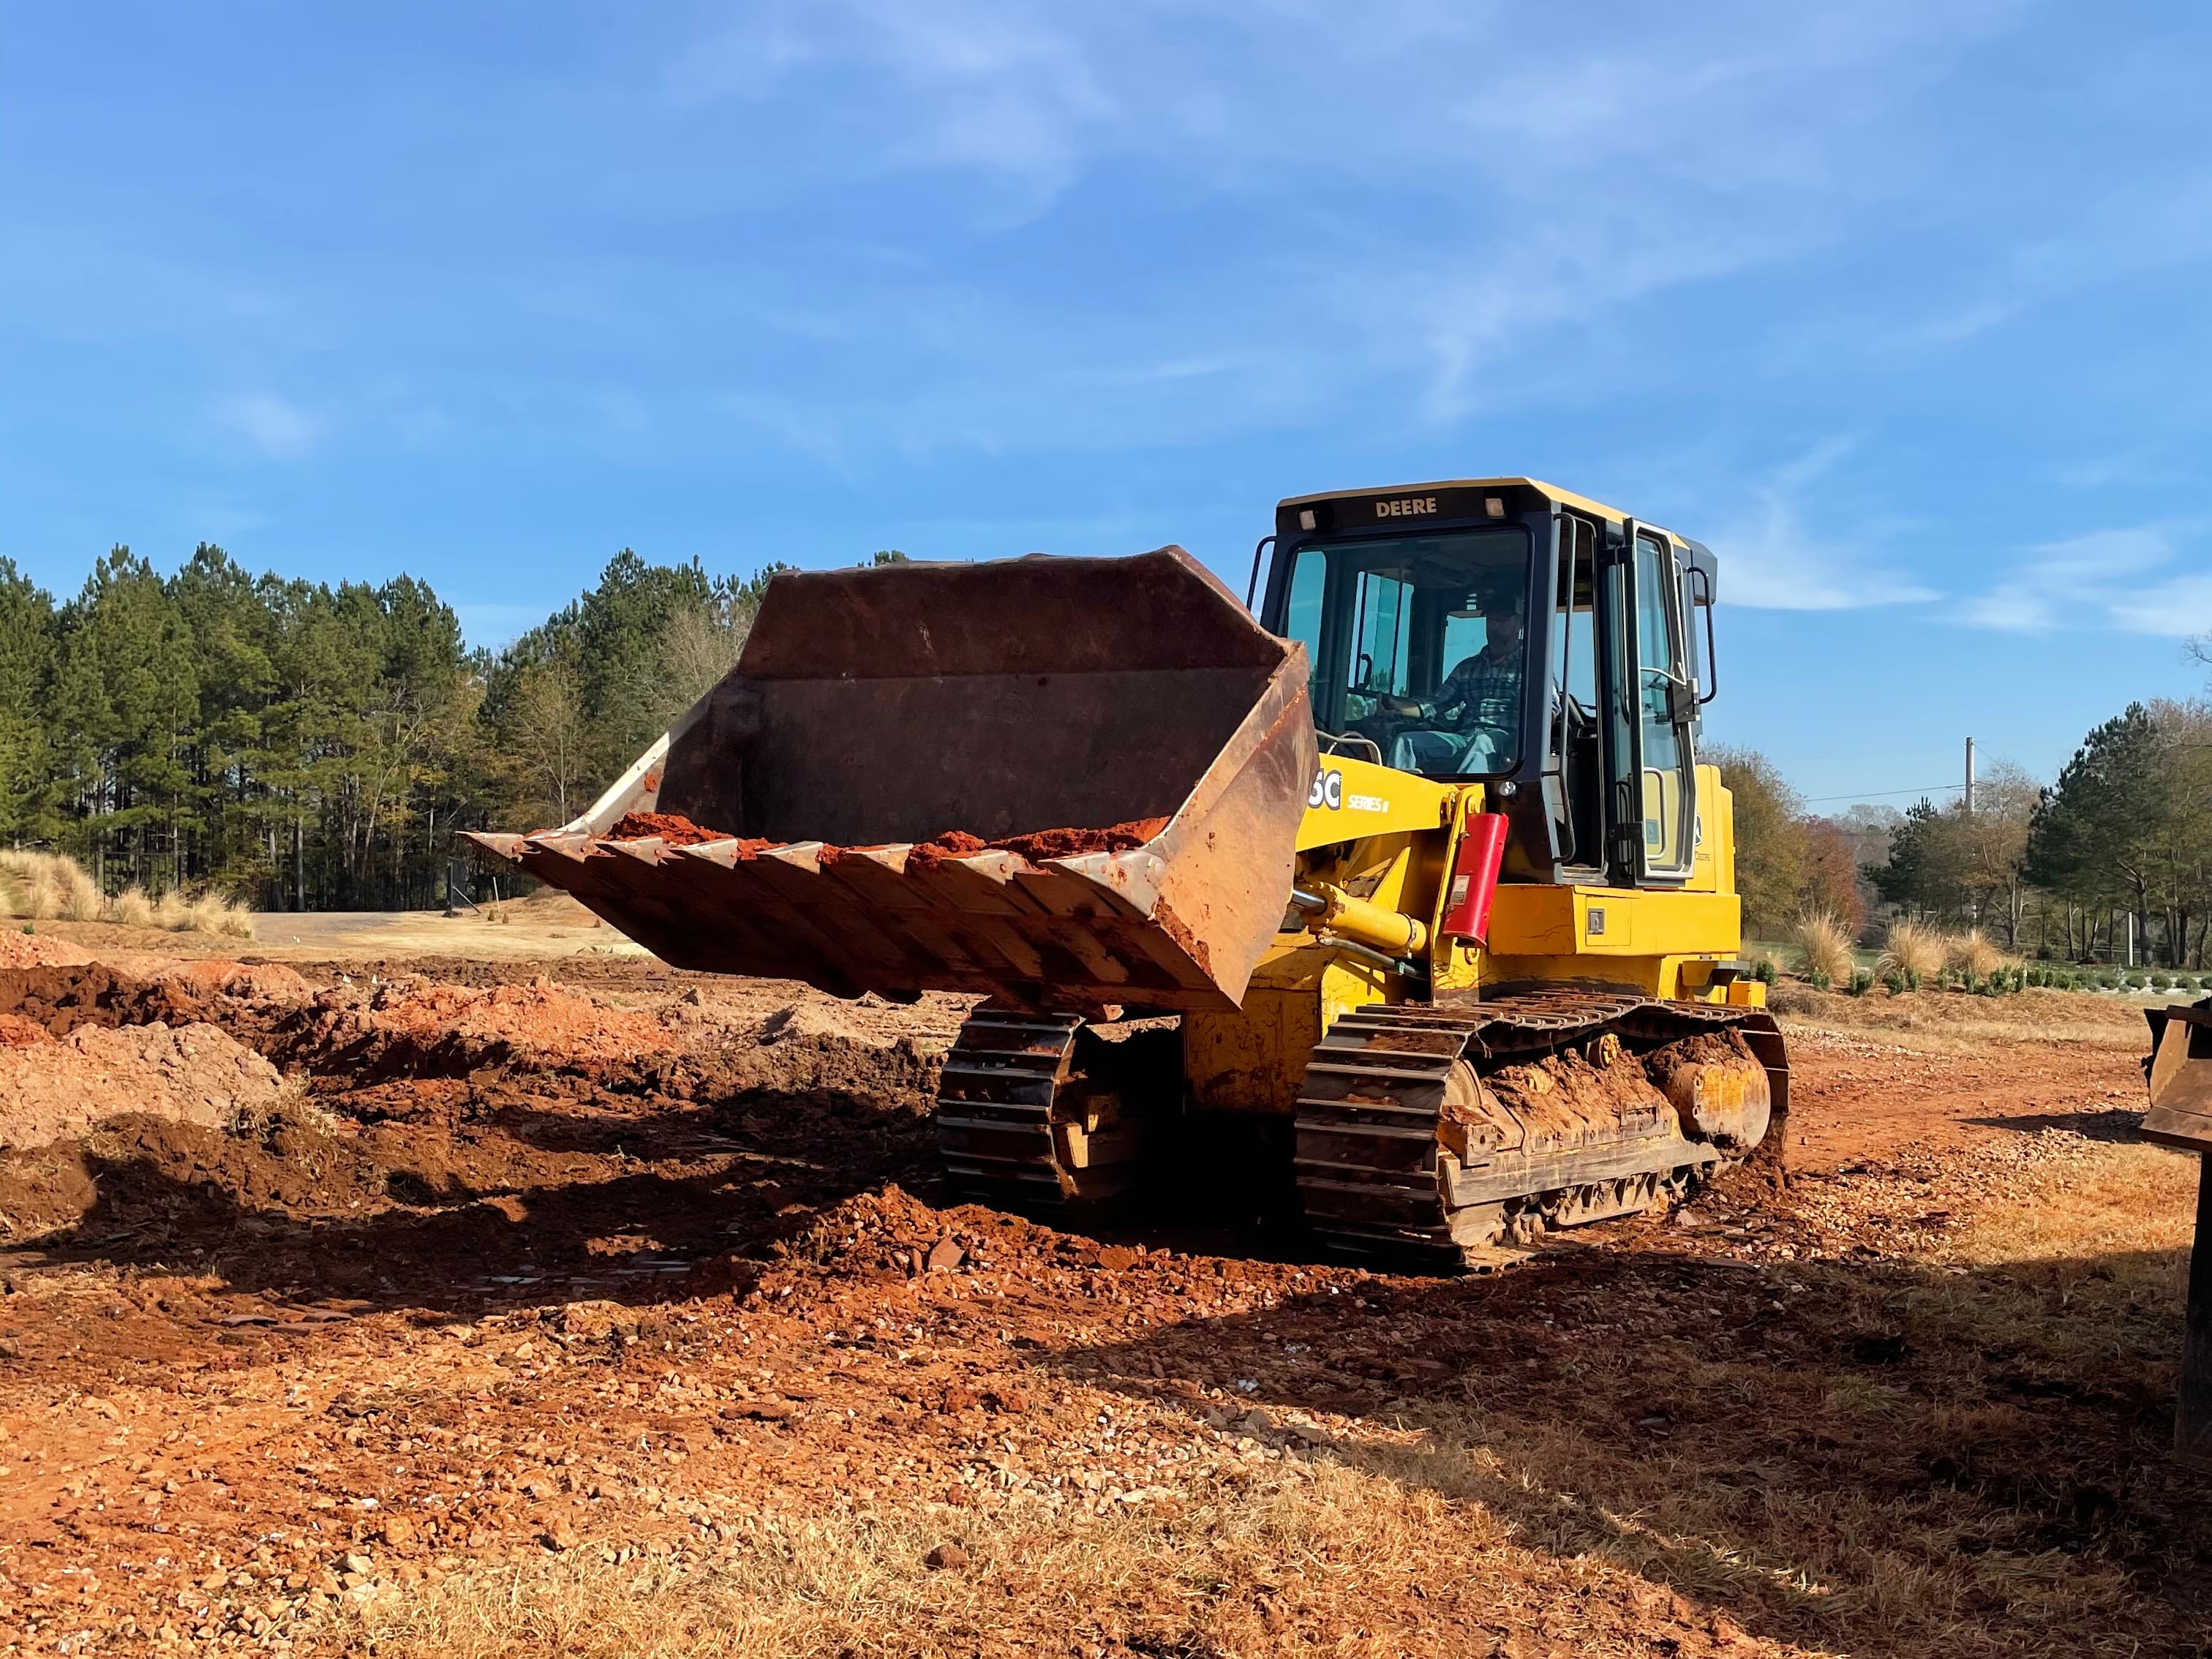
(1900,307)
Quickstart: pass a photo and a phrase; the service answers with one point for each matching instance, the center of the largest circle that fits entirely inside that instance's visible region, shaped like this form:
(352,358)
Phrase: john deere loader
(1409,889)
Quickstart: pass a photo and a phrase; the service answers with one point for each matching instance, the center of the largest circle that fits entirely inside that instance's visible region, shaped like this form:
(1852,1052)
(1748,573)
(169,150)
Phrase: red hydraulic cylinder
(1474,877)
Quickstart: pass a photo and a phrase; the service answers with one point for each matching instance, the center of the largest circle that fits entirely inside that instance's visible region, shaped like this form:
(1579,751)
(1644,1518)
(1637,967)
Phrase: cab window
(1309,586)
(1433,653)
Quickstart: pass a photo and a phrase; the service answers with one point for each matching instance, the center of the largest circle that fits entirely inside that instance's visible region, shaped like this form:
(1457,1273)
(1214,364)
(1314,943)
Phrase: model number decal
(1328,791)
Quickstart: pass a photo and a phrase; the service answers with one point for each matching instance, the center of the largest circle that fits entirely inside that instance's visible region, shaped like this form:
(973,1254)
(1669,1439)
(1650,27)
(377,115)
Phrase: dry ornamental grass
(1915,955)
(1976,954)
(1827,948)
(50,886)
(42,886)
(131,908)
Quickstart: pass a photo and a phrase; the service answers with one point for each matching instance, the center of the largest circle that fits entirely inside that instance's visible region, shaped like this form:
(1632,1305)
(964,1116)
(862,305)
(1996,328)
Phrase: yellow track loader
(1408,888)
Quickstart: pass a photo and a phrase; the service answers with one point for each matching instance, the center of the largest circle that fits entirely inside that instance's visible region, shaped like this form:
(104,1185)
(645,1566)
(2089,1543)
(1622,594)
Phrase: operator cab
(1503,631)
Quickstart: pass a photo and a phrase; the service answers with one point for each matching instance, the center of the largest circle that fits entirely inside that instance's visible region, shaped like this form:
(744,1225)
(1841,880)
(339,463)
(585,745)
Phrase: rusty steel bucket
(876,709)
(2179,1073)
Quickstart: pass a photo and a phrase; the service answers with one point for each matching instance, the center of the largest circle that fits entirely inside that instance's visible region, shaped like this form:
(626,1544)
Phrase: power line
(1879,795)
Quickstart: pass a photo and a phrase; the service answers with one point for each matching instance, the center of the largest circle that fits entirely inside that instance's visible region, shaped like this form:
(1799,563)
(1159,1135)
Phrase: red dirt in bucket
(1071,843)
(952,844)
(677,830)
(671,826)
(1061,844)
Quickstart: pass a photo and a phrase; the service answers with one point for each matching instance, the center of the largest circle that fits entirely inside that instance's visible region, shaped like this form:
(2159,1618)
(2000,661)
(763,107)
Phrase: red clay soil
(677,830)
(422,1323)
(1191,945)
(1061,844)
(27,950)
(404,1030)
(468,1323)
(1072,843)
(59,1000)
(671,826)
(952,844)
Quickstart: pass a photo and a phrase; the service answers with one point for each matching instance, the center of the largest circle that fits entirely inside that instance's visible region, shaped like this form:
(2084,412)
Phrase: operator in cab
(1474,718)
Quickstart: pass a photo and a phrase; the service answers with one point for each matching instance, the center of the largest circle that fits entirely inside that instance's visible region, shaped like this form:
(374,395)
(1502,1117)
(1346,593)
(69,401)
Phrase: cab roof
(1698,554)
(1553,492)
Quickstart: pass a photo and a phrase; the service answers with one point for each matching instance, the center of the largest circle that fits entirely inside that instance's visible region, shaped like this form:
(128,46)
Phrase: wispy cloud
(2107,579)
(1446,242)
(1008,90)
(1771,561)
(279,429)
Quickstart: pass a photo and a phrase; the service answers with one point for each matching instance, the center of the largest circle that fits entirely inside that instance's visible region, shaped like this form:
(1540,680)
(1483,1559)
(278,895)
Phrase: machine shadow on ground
(1855,1457)
(518,1206)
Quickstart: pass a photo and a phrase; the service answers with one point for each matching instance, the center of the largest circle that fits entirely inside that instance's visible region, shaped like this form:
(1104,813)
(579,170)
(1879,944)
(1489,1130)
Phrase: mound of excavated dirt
(61,999)
(138,1168)
(51,1088)
(256,982)
(409,1028)
(21,950)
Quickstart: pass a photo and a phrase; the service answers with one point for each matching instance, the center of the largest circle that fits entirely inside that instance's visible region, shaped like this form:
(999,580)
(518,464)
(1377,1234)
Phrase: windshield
(1436,648)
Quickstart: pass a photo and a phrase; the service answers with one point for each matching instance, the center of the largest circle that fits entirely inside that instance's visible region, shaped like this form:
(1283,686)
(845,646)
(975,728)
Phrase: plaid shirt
(1481,694)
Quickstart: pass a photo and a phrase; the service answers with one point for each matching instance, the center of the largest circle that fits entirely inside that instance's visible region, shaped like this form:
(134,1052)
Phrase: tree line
(307,746)
(2119,846)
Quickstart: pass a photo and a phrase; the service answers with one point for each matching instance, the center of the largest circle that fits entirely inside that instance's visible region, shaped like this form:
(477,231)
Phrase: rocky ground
(442,1306)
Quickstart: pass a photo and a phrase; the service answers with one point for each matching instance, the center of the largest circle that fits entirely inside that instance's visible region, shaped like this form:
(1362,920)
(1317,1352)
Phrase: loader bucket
(2179,1072)
(875,712)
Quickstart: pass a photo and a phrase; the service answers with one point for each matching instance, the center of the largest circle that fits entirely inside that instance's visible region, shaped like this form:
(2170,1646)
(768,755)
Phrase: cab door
(1665,704)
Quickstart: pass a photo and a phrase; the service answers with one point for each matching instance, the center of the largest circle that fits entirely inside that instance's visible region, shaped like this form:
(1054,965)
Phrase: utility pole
(1970,777)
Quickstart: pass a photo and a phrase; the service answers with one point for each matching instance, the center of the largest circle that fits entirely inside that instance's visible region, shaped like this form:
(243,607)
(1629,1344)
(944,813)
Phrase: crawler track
(1029,1113)
(1377,1183)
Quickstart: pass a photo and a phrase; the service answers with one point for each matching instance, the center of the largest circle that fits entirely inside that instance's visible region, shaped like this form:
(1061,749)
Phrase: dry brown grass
(207,911)
(1827,948)
(1792,1488)
(39,886)
(44,886)
(131,908)
(204,913)
(1974,953)
(2111,1234)
(1915,953)
(1200,1579)
(1952,1021)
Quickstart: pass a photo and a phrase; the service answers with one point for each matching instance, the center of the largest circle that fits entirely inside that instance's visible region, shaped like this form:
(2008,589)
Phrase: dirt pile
(21,949)
(1059,843)
(671,826)
(51,1088)
(1068,843)
(60,999)
(247,981)
(410,1028)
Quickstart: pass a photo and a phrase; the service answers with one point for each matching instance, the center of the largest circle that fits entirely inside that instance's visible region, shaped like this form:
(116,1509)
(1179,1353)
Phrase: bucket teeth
(1033,702)
(1062,931)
